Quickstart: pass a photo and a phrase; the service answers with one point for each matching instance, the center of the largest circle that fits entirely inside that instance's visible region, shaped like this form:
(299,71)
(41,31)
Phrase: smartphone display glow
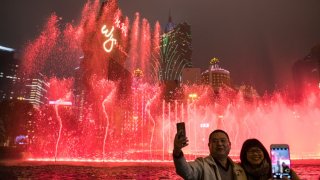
(280,160)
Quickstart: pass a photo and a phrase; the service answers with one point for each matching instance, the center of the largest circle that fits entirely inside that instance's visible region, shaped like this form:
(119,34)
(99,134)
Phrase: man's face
(219,145)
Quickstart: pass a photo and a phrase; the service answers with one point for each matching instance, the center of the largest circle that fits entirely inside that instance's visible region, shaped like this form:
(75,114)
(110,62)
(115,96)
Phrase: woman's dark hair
(249,143)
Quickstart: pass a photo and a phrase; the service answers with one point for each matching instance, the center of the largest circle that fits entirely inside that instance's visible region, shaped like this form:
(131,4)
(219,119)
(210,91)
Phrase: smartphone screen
(280,160)
(181,126)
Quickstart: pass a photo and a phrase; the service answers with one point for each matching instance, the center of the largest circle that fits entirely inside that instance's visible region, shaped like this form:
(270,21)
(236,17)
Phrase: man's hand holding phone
(180,139)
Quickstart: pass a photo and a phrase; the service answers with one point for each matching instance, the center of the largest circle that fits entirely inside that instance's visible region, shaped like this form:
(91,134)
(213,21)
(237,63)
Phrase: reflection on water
(142,171)
(308,171)
(88,172)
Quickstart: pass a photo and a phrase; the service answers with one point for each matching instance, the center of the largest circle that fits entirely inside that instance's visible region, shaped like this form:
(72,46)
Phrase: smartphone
(280,160)
(181,126)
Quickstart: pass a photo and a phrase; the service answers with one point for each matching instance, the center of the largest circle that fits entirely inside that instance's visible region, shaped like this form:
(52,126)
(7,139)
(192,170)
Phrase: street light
(193,96)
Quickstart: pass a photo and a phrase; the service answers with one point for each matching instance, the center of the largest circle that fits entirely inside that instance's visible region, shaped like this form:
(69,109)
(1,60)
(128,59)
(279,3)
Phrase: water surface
(41,170)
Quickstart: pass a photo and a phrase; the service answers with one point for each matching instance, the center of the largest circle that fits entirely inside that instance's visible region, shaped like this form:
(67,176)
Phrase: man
(216,166)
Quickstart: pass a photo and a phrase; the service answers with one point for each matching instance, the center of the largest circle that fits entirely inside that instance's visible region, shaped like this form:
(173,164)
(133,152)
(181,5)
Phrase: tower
(8,73)
(175,51)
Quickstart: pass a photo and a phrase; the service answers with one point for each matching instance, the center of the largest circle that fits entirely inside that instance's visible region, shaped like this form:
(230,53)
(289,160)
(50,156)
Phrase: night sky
(256,40)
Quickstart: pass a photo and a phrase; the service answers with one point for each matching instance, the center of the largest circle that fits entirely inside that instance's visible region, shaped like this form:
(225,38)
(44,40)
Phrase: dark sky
(256,40)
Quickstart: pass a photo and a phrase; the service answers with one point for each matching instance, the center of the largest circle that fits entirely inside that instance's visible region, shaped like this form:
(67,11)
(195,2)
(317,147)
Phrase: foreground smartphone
(181,126)
(280,160)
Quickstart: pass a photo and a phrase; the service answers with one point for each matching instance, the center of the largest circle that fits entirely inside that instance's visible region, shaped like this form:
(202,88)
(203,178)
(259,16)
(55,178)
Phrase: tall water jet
(37,52)
(108,99)
(155,54)
(145,45)
(60,129)
(133,60)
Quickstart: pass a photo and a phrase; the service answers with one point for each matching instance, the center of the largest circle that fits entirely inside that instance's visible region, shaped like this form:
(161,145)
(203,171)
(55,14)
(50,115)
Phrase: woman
(255,160)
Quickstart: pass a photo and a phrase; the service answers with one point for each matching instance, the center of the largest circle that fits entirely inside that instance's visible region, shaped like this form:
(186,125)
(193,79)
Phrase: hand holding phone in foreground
(180,140)
(181,129)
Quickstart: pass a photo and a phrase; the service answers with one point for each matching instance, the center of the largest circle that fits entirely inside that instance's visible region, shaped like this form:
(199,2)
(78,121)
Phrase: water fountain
(118,112)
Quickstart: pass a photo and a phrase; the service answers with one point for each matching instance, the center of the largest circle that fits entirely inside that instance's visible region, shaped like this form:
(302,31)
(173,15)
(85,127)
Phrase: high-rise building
(216,76)
(13,86)
(36,90)
(175,51)
(8,73)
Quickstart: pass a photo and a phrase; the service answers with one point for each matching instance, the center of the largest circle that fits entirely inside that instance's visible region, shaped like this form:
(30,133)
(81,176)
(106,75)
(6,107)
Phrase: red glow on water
(93,160)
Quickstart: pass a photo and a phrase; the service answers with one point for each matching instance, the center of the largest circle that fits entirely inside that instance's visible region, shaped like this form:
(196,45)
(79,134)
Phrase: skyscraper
(8,73)
(175,51)
(14,86)
(36,89)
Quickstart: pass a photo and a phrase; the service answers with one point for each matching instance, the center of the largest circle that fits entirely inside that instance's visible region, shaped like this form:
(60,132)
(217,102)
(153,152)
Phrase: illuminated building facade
(175,52)
(36,90)
(216,76)
(15,87)
(8,74)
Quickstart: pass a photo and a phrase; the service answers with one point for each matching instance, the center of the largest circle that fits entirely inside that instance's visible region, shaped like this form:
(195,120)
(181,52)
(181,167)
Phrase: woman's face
(255,156)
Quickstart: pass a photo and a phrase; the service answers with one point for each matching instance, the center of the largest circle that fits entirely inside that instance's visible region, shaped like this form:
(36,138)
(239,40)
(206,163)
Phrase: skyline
(258,42)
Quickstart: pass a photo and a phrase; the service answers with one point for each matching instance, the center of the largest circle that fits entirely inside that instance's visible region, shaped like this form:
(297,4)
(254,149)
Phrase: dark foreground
(41,170)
